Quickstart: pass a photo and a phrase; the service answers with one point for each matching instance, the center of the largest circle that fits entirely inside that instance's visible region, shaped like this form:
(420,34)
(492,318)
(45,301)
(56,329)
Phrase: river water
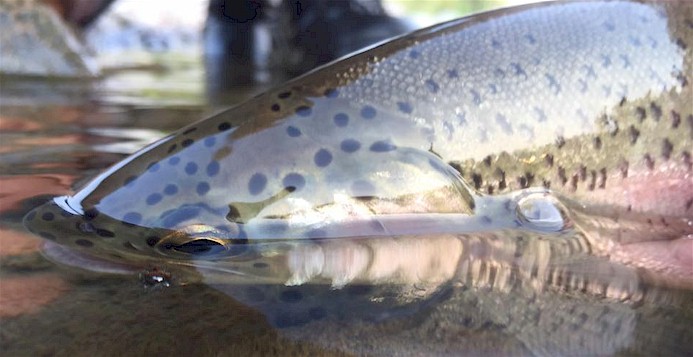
(54,136)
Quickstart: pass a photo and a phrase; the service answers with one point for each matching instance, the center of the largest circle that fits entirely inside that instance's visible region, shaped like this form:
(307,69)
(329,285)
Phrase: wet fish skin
(562,87)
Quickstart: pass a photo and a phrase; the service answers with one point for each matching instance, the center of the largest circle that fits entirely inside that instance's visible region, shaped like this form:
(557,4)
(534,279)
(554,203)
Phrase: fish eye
(541,211)
(199,240)
(200,246)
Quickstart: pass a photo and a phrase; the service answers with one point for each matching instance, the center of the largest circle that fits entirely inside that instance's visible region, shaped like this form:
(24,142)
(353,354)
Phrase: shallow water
(55,136)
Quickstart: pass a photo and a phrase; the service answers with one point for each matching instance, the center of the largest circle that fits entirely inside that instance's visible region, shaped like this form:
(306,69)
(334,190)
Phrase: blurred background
(193,51)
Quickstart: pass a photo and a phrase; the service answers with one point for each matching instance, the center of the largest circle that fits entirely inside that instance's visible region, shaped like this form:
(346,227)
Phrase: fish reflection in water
(527,169)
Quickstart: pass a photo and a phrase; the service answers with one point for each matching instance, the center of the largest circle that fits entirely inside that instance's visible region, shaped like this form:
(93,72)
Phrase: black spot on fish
(597,143)
(634,134)
(48,216)
(675,119)
(414,54)
(322,158)
(172,148)
(153,167)
(686,158)
(656,111)
(667,148)
(275,107)
(548,160)
(562,176)
(132,218)
(191,168)
(452,73)
(295,181)
(368,112)
(500,176)
(488,160)
(331,93)
(681,43)
(304,111)
(105,233)
(519,71)
(382,146)
(174,161)
(85,227)
(153,199)
(476,97)
(623,167)
(622,102)
(260,265)
(202,188)
(649,161)
(341,120)
(498,72)
(405,107)
(213,168)
(84,243)
(362,188)
(582,172)
(233,215)
(257,183)
(350,145)
(546,183)
(152,240)
(224,126)
(432,86)
(284,95)
(553,83)
(593,180)
(476,179)
(683,80)
(187,142)
(522,182)
(293,131)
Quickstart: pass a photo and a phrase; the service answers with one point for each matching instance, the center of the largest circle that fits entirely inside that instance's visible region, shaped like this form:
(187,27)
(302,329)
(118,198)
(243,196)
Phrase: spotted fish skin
(590,99)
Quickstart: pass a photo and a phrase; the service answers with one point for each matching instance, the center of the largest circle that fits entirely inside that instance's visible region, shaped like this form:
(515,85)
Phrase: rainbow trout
(495,151)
